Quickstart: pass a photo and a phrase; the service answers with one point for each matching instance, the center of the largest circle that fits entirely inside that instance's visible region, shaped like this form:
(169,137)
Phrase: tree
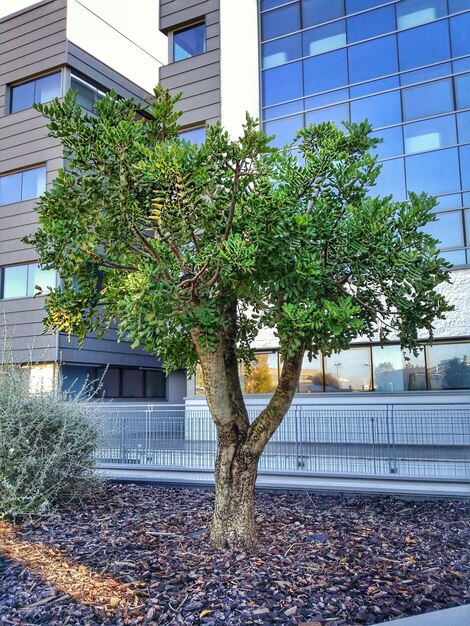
(192,249)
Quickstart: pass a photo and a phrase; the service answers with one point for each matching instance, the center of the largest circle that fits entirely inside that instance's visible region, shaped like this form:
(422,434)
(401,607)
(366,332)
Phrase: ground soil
(140,555)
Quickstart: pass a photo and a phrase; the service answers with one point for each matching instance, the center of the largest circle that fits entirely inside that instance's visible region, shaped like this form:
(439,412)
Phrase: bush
(47,445)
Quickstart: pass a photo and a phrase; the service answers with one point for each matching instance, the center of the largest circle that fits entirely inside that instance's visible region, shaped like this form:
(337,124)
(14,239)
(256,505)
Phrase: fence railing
(393,440)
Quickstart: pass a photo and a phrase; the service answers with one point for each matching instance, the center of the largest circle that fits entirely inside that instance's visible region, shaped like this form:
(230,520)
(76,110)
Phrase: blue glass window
(460,35)
(282,83)
(22,186)
(433,172)
(391,180)
(353,6)
(41,89)
(462,91)
(415,12)
(427,73)
(281,51)
(456,257)
(458,5)
(431,134)
(324,38)
(20,281)
(429,99)
(447,229)
(373,59)
(424,45)
(374,86)
(381,110)
(463,124)
(371,24)
(337,114)
(465,165)
(284,129)
(461,65)
(270,4)
(280,22)
(326,71)
(323,99)
(189,42)
(452,201)
(392,142)
(318,11)
(283,109)
(194,135)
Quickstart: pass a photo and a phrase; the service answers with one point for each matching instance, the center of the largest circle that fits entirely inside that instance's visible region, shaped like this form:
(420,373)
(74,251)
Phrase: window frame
(180,29)
(13,85)
(42,166)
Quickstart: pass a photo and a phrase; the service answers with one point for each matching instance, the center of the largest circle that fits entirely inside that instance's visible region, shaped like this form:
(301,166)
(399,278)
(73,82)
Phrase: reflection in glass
(415,12)
(281,51)
(391,180)
(336,114)
(426,73)
(391,144)
(199,390)
(429,99)
(283,109)
(326,71)
(348,370)
(460,35)
(447,229)
(424,45)
(318,11)
(452,201)
(430,134)
(434,172)
(371,24)
(34,183)
(455,257)
(332,97)
(393,372)
(15,282)
(189,42)
(458,5)
(449,366)
(324,38)
(43,279)
(195,136)
(463,124)
(311,376)
(462,91)
(41,89)
(263,375)
(282,83)
(381,110)
(373,59)
(280,22)
(10,188)
(374,86)
(465,166)
(284,129)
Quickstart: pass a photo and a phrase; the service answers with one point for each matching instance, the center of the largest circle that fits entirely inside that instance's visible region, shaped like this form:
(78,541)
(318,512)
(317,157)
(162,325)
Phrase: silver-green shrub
(47,445)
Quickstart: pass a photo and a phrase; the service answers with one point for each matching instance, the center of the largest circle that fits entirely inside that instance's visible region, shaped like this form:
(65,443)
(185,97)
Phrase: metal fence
(371,440)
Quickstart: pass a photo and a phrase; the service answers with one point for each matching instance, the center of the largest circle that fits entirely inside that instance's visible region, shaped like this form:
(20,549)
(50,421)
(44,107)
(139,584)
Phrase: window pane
(284,130)
(281,51)
(447,229)
(48,87)
(280,22)
(458,5)
(326,98)
(34,183)
(449,366)
(460,35)
(353,6)
(371,24)
(348,371)
(15,281)
(324,72)
(465,166)
(374,86)
(324,38)
(196,136)
(108,382)
(424,45)
(462,91)
(270,4)
(283,109)
(77,378)
(463,124)
(456,257)
(415,12)
(452,201)
(337,114)
(189,42)
(22,97)
(427,100)
(86,95)
(263,377)
(392,144)
(434,172)
(44,279)
(393,373)
(311,376)
(155,384)
(372,59)
(427,73)
(10,188)
(381,110)
(430,135)
(318,11)
(282,83)
(461,65)
(132,383)
(391,180)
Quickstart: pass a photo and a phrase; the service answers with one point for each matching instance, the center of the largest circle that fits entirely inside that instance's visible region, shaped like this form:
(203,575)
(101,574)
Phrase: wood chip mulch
(140,555)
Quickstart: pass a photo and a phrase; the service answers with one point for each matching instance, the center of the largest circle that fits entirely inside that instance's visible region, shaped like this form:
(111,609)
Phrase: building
(403,64)
(46,48)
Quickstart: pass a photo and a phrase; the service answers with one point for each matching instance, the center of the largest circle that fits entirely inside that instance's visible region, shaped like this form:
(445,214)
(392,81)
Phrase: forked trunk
(233,522)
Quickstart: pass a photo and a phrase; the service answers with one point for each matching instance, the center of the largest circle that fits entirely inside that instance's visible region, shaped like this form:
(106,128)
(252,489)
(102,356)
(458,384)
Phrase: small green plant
(47,445)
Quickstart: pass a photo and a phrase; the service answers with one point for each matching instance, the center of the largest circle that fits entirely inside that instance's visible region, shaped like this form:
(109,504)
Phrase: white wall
(95,27)
(239,74)
(11,6)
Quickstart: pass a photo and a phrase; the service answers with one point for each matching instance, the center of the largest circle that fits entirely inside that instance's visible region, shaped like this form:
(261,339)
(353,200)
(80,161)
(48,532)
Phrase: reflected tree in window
(456,374)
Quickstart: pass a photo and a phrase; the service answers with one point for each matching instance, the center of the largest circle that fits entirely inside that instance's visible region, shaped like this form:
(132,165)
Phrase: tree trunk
(233,522)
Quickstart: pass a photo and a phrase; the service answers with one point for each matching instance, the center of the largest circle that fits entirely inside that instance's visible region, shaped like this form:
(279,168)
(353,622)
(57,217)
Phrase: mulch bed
(140,555)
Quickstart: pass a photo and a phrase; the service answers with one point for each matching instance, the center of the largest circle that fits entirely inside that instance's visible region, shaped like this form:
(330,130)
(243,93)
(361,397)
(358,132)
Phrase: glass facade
(444,365)
(24,185)
(114,382)
(41,89)
(189,42)
(403,65)
(87,93)
(22,281)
